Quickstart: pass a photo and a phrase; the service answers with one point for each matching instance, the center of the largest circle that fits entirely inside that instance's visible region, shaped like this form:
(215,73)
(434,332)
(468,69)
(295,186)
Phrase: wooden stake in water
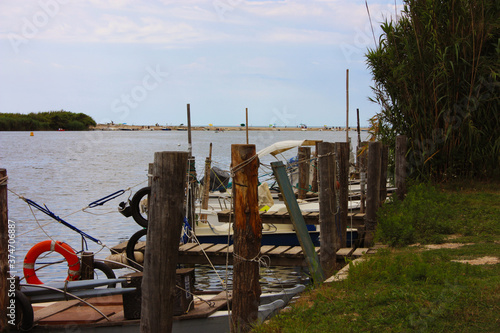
(247,237)
(327,206)
(246,123)
(347,106)
(4,245)
(164,227)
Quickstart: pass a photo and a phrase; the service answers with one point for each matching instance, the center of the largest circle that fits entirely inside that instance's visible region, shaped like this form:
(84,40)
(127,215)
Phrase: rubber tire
(23,306)
(134,205)
(101,266)
(131,247)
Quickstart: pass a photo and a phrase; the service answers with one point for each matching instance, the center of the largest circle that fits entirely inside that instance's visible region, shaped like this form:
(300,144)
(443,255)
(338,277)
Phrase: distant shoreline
(125,127)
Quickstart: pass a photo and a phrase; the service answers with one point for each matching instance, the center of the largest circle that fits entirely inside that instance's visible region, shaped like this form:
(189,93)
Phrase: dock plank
(279,250)
(54,309)
(217,248)
(206,309)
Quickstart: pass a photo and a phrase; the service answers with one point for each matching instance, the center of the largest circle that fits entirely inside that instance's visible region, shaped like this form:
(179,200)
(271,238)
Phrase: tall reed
(436,79)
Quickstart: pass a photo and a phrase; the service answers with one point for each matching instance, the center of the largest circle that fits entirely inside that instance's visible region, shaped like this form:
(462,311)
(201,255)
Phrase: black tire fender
(135,206)
(101,266)
(131,247)
(24,313)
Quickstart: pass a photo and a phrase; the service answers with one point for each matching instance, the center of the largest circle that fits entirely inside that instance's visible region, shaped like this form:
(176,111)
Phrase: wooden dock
(358,219)
(192,253)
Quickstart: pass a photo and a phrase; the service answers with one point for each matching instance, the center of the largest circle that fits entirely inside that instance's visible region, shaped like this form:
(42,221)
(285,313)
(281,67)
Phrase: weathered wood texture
(87,269)
(164,227)
(372,190)
(384,161)
(247,237)
(400,172)
(304,157)
(342,149)
(4,245)
(298,222)
(206,184)
(327,206)
(363,156)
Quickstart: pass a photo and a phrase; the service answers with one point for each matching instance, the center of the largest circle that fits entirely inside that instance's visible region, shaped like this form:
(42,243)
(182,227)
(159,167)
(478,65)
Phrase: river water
(68,170)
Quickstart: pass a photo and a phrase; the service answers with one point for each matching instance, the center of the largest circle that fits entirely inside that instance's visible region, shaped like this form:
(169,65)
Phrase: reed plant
(436,71)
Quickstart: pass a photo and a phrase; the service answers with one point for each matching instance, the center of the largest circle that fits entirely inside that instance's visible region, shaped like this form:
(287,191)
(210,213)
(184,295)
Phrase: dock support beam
(164,228)
(247,230)
(4,244)
(400,173)
(342,149)
(304,157)
(328,210)
(372,190)
(298,222)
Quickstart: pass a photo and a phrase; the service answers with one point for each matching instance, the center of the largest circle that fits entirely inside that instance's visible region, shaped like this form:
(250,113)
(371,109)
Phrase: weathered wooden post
(164,228)
(362,155)
(206,184)
(327,206)
(247,230)
(384,161)
(400,173)
(4,244)
(304,157)
(342,149)
(372,190)
(298,222)
(87,269)
(314,182)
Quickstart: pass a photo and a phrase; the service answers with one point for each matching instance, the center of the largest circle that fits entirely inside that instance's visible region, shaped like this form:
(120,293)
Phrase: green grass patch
(411,289)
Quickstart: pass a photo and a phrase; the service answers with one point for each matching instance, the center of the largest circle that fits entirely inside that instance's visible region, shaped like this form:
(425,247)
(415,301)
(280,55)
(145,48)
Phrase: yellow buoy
(31,134)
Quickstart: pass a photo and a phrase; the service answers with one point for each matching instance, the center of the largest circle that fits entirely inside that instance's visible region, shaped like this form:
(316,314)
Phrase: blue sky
(142,62)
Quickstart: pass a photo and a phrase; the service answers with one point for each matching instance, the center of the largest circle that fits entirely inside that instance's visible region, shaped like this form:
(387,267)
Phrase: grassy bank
(419,287)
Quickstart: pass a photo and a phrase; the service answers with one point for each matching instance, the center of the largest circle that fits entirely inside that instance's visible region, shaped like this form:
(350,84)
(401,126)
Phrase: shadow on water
(272,279)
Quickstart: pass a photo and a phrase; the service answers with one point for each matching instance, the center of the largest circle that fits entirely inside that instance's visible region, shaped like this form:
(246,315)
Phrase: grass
(409,288)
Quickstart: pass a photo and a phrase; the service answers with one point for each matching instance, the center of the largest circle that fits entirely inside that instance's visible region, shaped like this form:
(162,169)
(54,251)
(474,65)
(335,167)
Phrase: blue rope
(185,231)
(60,220)
(102,201)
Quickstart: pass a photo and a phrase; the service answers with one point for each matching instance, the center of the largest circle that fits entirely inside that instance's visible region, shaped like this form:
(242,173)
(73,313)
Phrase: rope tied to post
(242,165)
(258,258)
(3,180)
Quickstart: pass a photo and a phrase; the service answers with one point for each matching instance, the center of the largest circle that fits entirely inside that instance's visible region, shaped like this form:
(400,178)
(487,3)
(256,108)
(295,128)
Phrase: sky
(143,62)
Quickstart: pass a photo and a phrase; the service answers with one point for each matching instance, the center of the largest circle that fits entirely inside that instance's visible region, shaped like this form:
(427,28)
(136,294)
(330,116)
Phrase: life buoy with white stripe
(49,245)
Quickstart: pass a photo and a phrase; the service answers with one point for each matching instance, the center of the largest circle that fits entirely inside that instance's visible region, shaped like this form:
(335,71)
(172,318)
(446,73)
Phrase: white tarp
(281,146)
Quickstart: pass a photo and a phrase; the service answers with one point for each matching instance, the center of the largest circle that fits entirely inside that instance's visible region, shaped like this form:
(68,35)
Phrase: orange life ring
(49,245)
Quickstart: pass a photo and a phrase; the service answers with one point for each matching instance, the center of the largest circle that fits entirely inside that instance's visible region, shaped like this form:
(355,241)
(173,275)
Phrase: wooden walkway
(192,253)
(358,219)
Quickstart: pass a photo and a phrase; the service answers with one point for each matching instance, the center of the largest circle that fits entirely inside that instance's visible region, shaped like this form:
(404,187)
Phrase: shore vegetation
(416,286)
(46,121)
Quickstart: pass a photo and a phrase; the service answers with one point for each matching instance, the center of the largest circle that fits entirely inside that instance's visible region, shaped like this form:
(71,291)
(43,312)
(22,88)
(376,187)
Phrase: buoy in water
(31,134)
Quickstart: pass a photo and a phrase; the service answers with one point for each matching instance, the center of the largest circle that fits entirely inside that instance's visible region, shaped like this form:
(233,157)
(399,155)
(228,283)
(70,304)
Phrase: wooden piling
(372,190)
(327,206)
(164,228)
(206,184)
(362,156)
(314,183)
(342,149)
(400,172)
(4,247)
(87,269)
(304,157)
(298,222)
(384,161)
(247,230)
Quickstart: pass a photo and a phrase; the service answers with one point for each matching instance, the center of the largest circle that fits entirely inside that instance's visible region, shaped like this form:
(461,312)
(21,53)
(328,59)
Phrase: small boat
(105,310)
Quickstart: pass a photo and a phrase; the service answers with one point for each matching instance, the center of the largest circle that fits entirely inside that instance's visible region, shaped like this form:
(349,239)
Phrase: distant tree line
(46,121)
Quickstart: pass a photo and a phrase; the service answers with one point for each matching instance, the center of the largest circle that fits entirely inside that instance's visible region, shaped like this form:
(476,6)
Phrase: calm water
(68,170)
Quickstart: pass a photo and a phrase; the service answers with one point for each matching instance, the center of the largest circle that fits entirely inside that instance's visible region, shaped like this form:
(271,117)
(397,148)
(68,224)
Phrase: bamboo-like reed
(436,79)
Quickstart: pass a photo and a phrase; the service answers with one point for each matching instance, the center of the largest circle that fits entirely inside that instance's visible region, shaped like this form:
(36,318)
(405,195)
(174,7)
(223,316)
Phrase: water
(68,170)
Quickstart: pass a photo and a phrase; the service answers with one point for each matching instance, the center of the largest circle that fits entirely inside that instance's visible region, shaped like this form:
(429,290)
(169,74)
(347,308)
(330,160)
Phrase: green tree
(436,79)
